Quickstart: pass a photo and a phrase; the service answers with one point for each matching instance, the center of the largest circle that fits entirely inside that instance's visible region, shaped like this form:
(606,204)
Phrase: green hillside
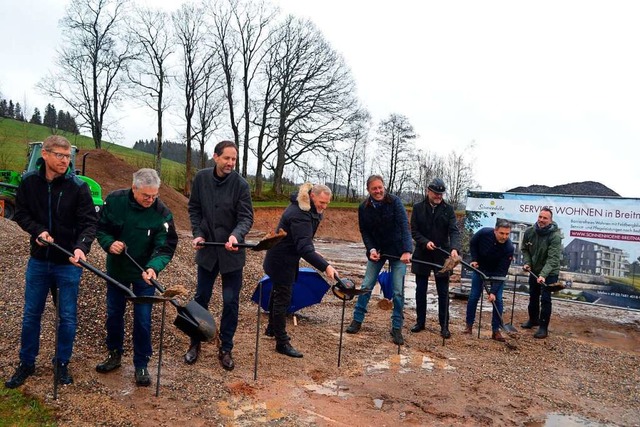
(15,137)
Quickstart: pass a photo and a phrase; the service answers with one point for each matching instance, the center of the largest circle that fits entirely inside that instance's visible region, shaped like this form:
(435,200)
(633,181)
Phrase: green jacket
(149,233)
(542,250)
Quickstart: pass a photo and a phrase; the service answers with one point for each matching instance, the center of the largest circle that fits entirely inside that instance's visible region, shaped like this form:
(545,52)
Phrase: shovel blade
(510,329)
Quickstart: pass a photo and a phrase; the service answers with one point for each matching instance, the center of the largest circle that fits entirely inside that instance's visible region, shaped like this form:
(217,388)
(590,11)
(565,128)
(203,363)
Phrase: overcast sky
(547,91)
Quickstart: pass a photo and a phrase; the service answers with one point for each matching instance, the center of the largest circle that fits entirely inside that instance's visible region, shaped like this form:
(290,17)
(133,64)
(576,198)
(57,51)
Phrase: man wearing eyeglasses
(134,219)
(52,204)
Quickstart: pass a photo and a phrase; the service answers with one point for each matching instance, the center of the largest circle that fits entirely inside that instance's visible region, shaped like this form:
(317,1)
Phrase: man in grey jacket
(220,210)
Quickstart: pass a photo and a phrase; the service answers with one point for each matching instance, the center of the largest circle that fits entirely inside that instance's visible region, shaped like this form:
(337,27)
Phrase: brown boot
(497,336)
(468,329)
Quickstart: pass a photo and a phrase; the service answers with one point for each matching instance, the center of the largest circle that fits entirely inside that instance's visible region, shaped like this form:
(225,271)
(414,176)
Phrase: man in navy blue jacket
(385,230)
(491,252)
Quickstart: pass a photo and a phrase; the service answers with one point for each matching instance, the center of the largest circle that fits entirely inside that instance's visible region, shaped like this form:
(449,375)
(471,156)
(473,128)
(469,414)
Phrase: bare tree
(395,139)
(459,178)
(150,73)
(209,107)
(354,152)
(89,70)
(191,35)
(315,95)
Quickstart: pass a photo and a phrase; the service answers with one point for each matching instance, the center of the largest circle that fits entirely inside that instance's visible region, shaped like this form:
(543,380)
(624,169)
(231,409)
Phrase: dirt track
(587,368)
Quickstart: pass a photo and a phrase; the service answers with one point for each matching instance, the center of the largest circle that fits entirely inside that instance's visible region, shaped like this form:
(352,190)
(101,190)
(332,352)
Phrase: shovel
(267,243)
(192,319)
(509,329)
(129,293)
(345,290)
(551,288)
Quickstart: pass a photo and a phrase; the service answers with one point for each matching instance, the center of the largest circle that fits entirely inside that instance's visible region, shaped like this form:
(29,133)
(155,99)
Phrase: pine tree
(61,121)
(10,110)
(36,118)
(18,113)
(71,124)
(50,118)
(3,108)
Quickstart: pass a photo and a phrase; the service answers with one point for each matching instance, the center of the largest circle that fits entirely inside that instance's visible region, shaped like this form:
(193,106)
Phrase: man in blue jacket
(135,219)
(220,210)
(491,252)
(300,220)
(384,227)
(54,205)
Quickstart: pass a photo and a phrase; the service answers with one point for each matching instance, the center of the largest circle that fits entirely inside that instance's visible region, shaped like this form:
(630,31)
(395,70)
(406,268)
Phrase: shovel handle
(235,245)
(432,264)
(91,268)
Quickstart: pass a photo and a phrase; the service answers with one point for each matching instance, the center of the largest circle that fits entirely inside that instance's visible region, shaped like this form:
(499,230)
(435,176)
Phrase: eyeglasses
(149,196)
(60,156)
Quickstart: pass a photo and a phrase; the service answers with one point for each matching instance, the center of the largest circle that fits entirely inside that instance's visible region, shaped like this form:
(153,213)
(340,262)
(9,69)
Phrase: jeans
(41,276)
(536,291)
(116,304)
(477,289)
(442,286)
(398,270)
(231,285)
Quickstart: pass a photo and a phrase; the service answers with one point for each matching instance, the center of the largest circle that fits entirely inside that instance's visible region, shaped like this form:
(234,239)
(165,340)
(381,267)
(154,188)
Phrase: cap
(437,186)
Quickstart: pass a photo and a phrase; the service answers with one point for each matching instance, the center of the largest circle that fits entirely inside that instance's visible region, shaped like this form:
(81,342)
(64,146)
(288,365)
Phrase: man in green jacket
(542,250)
(137,220)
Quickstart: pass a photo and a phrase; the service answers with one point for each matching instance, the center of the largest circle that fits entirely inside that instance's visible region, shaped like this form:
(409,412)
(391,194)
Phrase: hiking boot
(445,333)
(64,377)
(354,327)
(468,329)
(417,327)
(541,333)
(226,360)
(529,324)
(396,334)
(496,335)
(113,361)
(23,371)
(142,377)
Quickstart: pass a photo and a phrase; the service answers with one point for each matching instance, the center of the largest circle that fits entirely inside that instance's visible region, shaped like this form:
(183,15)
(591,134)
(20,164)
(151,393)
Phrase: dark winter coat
(385,227)
(62,207)
(149,233)
(493,258)
(542,249)
(219,208)
(300,220)
(433,224)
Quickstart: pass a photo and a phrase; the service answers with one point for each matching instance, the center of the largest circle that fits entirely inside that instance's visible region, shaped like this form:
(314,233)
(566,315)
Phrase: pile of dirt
(585,188)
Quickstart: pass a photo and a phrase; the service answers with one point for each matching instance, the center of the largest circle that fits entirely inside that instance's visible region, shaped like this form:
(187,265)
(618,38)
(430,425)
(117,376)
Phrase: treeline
(173,151)
(61,120)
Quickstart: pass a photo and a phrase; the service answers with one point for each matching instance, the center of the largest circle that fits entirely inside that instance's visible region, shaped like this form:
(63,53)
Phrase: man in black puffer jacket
(300,221)
(54,205)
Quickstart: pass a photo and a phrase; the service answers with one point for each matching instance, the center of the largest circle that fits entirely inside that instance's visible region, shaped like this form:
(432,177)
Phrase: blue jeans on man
(116,304)
(477,289)
(398,271)
(41,277)
(231,285)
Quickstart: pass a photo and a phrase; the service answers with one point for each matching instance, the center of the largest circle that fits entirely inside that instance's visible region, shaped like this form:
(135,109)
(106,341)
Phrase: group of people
(137,232)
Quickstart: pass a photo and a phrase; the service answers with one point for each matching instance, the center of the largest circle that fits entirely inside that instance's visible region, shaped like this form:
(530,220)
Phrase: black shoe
(445,333)
(396,334)
(142,377)
(113,361)
(418,327)
(64,377)
(354,327)
(529,324)
(288,350)
(269,331)
(226,360)
(541,333)
(191,355)
(23,371)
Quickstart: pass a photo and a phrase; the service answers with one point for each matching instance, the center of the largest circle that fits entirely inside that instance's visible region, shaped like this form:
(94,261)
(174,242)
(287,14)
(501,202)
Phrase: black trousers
(278,305)
(540,300)
(442,286)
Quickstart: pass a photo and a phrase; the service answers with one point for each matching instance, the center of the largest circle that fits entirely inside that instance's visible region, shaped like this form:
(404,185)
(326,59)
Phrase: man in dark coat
(300,221)
(433,225)
(135,219)
(385,231)
(54,205)
(542,250)
(491,253)
(220,210)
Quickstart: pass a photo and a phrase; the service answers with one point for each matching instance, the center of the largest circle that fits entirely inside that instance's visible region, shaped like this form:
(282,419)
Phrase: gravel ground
(588,368)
